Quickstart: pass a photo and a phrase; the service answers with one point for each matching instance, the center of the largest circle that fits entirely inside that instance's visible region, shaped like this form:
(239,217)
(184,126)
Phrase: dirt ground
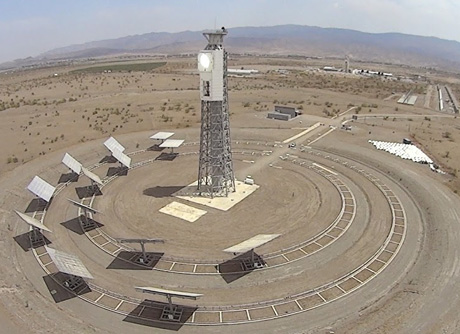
(48,112)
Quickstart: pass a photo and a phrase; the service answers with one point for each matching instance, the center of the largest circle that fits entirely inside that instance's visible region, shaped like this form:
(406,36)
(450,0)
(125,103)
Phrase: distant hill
(283,40)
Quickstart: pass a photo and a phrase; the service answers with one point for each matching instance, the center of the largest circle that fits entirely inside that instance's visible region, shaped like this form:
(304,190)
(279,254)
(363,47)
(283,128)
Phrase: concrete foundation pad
(221,203)
(182,211)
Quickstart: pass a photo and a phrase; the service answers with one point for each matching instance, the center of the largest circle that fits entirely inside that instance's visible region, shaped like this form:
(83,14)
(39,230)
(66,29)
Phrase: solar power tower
(215,173)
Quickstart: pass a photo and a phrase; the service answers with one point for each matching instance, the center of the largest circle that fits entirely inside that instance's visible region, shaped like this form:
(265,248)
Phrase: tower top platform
(215,37)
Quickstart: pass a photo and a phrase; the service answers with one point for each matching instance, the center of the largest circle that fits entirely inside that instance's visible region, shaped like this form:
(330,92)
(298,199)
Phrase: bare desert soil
(47,112)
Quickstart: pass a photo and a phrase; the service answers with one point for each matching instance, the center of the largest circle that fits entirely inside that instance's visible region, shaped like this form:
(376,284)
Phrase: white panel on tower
(217,86)
(211,67)
(122,158)
(73,164)
(41,188)
(112,144)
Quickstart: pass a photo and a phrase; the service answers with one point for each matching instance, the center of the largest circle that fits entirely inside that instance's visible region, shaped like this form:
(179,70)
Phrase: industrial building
(241,71)
(283,113)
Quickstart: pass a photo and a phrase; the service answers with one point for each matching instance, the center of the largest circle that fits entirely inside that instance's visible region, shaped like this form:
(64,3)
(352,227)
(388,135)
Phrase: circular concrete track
(281,257)
(294,302)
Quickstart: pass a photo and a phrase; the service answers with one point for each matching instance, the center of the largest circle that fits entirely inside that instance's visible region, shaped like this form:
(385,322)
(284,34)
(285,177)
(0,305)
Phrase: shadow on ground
(69,177)
(120,171)
(160,192)
(88,191)
(148,313)
(132,261)
(75,226)
(23,240)
(54,283)
(155,148)
(167,156)
(108,159)
(37,204)
(235,268)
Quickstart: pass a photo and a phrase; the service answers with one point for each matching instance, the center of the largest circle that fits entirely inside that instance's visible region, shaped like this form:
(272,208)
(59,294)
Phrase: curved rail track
(291,304)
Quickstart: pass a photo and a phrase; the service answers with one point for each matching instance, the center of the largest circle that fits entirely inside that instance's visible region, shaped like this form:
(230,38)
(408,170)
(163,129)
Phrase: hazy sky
(30,27)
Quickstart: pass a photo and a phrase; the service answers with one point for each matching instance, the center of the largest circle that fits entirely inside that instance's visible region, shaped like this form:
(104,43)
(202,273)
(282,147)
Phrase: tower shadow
(160,191)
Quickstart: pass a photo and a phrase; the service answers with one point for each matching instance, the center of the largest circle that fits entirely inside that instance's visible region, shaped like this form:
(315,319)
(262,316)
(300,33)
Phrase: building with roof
(283,113)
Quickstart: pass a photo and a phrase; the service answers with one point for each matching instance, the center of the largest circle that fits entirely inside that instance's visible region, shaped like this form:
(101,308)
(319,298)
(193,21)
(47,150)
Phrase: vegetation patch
(134,67)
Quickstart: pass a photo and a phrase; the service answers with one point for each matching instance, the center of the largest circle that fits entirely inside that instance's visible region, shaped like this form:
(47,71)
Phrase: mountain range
(395,48)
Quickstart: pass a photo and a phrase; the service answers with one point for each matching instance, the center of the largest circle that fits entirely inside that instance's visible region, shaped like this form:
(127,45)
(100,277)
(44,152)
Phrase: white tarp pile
(405,151)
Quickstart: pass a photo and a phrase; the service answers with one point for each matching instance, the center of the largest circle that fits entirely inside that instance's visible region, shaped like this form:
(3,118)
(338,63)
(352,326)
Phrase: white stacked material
(411,101)
(405,151)
(241,71)
(402,98)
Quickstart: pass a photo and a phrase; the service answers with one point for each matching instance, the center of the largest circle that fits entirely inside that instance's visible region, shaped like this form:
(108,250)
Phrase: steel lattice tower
(215,171)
